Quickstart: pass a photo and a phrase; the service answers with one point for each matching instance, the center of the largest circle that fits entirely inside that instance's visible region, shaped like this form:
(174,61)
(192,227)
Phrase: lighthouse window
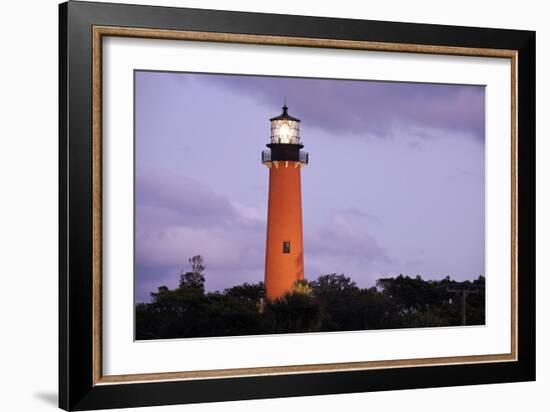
(286,246)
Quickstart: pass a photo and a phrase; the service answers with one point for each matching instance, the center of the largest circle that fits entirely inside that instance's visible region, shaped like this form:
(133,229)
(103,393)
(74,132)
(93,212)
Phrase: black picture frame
(77,390)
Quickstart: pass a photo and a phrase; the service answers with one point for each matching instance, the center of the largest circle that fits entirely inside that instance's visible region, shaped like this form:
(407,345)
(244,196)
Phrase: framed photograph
(257,206)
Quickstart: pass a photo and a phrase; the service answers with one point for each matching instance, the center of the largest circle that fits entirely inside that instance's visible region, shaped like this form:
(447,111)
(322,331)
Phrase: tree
(414,294)
(336,296)
(197,264)
(333,302)
(194,279)
(302,286)
(247,291)
(332,284)
(295,312)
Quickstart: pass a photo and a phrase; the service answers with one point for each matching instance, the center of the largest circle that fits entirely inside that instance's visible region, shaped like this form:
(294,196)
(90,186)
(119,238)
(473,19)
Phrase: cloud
(340,238)
(355,212)
(223,248)
(170,200)
(351,107)
(177,217)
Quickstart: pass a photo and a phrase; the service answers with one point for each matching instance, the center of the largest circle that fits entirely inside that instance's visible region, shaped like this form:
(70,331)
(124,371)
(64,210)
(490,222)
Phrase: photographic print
(268,205)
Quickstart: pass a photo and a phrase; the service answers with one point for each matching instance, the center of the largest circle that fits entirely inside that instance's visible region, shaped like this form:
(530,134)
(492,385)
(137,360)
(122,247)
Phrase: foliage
(333,302)
(295,312)
(302,287)
(194,279)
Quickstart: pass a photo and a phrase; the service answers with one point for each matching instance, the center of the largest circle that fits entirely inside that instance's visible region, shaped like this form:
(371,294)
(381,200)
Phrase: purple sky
(395,182)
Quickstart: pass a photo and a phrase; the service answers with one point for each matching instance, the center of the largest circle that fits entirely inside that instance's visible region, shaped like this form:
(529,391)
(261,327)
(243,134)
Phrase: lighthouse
(284,255)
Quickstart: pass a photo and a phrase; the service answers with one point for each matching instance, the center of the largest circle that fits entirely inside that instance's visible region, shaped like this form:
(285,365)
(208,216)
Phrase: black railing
(304,157)
(294,156)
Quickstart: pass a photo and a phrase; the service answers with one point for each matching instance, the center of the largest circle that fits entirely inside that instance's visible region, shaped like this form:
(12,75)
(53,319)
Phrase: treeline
(333,302)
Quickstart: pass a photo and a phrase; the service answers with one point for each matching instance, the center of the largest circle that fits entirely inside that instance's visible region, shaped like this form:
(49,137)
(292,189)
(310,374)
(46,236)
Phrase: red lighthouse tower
(284,256)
